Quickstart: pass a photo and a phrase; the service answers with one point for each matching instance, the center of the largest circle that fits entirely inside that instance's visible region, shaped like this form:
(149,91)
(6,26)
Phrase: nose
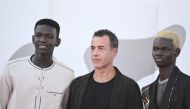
(159,52)
(94,52)
(42,38)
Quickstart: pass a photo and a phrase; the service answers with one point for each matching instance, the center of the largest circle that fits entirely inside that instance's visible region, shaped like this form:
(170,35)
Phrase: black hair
(112,37)
(48,22)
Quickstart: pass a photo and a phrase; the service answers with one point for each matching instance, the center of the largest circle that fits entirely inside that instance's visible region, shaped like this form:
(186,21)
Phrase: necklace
(173,88)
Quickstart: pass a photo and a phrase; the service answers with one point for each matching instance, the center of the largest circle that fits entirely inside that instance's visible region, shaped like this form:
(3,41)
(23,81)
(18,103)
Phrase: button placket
(41,78)
(41,87)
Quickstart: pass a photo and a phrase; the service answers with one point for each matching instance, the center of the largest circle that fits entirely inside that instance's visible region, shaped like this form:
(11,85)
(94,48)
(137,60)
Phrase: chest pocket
(54,94)
(53,99)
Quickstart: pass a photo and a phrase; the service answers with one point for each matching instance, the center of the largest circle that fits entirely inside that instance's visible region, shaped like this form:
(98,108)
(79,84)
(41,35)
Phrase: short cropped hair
(112,37)
(48,22)
(169,34)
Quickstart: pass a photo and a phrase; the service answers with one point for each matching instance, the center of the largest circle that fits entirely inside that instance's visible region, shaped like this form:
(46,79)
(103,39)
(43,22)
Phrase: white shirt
(24,85)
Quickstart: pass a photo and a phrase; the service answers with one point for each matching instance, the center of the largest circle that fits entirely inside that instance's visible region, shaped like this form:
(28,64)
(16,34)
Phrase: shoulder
(126,82)
(184,80)
(124,79)
(183,83)
(61,65)
(15,65)
(18,61)
(127,79)
(184,76)
(81,79)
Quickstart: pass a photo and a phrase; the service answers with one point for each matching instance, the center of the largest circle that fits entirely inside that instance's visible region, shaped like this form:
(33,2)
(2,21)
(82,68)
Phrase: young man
(38,81)
(171,90)
(105,87)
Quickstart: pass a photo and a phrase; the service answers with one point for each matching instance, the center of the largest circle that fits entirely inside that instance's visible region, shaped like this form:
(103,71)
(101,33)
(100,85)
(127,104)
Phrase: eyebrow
(98,46)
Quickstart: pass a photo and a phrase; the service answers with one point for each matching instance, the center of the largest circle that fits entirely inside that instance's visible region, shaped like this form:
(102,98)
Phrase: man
(38,81)
(105,87)
(171,90)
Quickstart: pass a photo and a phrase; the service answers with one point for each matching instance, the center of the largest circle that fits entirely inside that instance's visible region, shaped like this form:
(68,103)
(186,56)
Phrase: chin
(162,65)
(43,53)
(97,67)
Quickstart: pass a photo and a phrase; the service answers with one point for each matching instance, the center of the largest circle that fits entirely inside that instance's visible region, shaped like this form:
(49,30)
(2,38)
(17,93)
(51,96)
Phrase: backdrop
(134,22)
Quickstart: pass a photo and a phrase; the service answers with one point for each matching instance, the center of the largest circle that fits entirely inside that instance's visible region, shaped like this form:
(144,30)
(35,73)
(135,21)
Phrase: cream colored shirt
(24,85)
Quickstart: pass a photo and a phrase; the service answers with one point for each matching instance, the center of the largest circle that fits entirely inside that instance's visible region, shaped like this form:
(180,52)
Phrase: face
(45,39)
(102,54)
(163,52)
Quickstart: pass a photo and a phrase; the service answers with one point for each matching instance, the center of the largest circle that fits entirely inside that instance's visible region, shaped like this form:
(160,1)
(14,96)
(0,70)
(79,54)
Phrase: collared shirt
(24,85)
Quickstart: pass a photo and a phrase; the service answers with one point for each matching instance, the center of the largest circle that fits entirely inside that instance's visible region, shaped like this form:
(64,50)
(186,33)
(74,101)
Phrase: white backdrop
(129,19)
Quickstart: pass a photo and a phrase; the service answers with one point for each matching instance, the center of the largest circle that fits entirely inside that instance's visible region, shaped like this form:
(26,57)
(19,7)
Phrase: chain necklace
(173,89)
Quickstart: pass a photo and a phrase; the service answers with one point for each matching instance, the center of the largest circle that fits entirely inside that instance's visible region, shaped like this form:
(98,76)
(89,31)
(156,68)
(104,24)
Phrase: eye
(49,36)
(101,48)
(37,35)
(165,49)
(92,48)
(155,49)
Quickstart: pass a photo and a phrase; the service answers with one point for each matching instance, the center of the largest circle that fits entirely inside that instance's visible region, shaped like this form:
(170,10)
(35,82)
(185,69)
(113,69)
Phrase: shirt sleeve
(5,88)
(65,99)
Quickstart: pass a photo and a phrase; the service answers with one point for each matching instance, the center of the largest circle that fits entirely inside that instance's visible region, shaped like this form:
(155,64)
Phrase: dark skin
(44,40)
(165,54)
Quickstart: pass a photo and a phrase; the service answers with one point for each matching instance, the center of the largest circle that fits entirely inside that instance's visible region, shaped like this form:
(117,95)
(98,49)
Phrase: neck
(42,61)
(104,75)
(166,71)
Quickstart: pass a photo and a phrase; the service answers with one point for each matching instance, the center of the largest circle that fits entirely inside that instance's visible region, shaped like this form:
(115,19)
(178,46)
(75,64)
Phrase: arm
(134,97)
(65,99)
(187,96)
(69,104)
(5,88)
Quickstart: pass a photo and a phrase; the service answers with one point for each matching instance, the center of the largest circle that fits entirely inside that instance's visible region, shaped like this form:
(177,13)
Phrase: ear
(32,38)
(177,52)
(114,51)
(58,42)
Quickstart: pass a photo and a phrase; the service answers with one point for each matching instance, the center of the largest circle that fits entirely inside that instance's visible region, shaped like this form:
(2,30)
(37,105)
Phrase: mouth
(159,59)
(96,60)
(42,47)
